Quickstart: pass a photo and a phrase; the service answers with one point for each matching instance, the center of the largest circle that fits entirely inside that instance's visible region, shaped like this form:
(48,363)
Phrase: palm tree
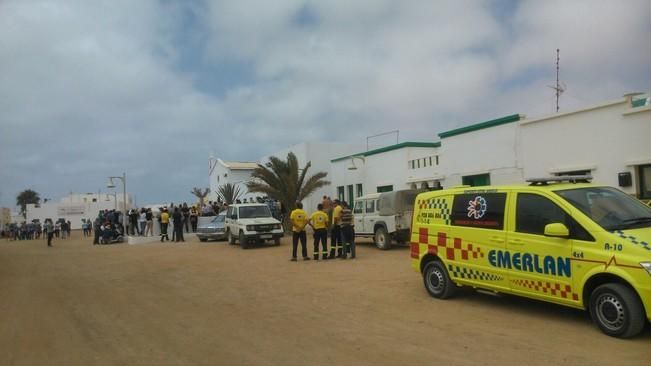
(285,182)
(229,193)
(26,197)
(201,194)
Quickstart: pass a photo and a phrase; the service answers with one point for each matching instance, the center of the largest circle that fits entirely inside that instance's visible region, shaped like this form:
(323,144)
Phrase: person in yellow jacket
(298,217)
(319,222)
(335,234)
(164,222)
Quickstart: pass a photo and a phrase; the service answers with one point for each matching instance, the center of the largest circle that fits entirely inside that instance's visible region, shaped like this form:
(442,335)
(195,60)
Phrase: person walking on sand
(164,222)
(49,229)
(177,217)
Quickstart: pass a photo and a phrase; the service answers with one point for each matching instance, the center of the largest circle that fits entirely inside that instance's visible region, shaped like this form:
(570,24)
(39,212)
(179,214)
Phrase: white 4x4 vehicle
(251,222)
(385,216)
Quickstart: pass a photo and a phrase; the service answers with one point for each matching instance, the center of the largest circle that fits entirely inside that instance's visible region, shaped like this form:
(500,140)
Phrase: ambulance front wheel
(437,281)
(617,310)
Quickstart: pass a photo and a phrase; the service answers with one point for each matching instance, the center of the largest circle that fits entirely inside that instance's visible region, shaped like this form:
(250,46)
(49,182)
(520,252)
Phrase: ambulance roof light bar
(560,178)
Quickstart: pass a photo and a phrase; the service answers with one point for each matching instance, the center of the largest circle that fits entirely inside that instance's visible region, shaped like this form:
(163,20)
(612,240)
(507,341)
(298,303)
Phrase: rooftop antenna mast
(560,87)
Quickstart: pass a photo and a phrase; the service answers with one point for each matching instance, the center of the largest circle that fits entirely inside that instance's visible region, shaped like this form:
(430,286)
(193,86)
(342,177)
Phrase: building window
(476,180)
(437,159)
(574,172)
(645,181)
(340,193)
(360,192)
(351,196)
(381,189)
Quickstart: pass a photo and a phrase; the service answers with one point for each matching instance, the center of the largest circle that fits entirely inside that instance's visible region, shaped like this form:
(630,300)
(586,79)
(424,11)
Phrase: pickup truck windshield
(611,208)
(251,212)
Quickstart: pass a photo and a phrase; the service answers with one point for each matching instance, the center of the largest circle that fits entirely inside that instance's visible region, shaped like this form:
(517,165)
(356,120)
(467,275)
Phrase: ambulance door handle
(516,242)
(496,239)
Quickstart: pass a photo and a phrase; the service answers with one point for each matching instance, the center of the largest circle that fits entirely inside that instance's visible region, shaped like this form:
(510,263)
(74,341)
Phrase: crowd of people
(35,230)
(333,218)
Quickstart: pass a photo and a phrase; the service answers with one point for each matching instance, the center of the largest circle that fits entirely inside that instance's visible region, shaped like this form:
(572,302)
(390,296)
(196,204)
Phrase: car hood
(637,238)
(259,220)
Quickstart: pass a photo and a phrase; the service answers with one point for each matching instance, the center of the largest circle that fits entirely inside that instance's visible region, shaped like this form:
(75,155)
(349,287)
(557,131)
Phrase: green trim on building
(389,148)
(481,126)
(639,102)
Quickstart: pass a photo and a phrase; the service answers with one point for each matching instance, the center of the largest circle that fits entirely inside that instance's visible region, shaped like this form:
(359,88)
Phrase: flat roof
(389,148)
(481,125)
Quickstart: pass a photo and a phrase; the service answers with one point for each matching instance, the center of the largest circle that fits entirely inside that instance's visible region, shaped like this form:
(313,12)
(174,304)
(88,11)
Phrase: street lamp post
(110,184)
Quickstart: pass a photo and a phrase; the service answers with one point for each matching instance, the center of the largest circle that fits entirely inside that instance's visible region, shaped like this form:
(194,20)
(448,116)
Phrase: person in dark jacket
(177,216)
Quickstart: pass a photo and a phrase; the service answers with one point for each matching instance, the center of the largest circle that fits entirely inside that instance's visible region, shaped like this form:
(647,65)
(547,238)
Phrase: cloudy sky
(90,89)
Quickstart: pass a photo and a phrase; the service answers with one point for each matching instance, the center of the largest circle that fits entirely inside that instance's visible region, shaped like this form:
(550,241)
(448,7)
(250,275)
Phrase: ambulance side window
(533,212)
(480,210)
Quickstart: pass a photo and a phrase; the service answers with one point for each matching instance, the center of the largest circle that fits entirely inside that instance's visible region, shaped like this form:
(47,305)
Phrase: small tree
(201,194)
(229,193)
(26,197)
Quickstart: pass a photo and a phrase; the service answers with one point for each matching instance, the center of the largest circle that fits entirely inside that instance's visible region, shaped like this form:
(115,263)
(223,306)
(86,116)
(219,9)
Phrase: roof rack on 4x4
(560,178)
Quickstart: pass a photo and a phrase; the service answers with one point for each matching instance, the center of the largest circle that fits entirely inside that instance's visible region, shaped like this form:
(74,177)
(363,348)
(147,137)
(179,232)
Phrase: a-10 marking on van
(576,244)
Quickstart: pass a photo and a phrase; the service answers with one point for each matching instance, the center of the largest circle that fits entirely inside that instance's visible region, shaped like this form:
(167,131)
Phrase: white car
(252,223)
(386,217)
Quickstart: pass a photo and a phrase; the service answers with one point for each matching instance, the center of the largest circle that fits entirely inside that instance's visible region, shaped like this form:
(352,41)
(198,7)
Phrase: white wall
(383,169)
(74,208)
(491,150)
(609,139)
(221,175)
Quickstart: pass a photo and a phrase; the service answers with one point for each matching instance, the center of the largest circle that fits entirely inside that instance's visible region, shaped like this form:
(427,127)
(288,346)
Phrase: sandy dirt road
(215,304)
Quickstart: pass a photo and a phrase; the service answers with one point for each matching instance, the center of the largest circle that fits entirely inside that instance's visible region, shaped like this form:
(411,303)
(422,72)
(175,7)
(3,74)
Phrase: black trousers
(348,240)
(50,235)
(163,232)
(303,238)
(321,235)
(335,239)
(179,232)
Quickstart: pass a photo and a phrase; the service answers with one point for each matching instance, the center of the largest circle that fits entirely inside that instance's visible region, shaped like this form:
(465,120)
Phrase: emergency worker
(319,222)
(298,218)
(335,234)
(347,223)
(164,222)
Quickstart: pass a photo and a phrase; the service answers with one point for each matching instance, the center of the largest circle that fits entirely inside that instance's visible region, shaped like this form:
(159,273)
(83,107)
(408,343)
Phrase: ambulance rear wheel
(437,281)
(617,310)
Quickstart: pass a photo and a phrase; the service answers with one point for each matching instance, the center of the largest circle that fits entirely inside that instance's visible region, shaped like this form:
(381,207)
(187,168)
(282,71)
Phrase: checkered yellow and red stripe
(450,248)
(551,288)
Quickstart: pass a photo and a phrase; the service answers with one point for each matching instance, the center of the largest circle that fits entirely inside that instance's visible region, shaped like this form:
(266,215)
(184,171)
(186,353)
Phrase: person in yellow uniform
(164,222)
(335,234)
(319,222)
(298,217)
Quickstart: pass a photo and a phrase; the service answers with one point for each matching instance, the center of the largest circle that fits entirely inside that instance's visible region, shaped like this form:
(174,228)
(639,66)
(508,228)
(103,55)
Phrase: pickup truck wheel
(617,310)
(243,243)
(231,238)
(203,239)
(437,281)
(382,238)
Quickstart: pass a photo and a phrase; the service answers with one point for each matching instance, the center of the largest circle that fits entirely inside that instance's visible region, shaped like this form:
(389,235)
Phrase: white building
(234,172)
(77,206)
(5,217)
(395,167)
(609,141)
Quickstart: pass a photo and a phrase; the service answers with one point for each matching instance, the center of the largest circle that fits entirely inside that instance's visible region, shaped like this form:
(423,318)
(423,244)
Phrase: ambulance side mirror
(557,230)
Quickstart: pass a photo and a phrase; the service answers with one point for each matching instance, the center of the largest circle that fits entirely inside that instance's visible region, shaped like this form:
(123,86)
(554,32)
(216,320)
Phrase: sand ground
(215,304)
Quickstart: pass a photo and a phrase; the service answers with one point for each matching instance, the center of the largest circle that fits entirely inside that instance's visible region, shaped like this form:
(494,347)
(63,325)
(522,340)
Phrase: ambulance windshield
(611,208)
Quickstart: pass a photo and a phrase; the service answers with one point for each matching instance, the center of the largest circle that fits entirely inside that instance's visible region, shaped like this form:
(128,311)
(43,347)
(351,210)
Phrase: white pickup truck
(385,216)
(251,223)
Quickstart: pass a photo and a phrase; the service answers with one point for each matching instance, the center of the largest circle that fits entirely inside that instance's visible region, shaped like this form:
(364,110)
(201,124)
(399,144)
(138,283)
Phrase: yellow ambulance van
(561,240)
